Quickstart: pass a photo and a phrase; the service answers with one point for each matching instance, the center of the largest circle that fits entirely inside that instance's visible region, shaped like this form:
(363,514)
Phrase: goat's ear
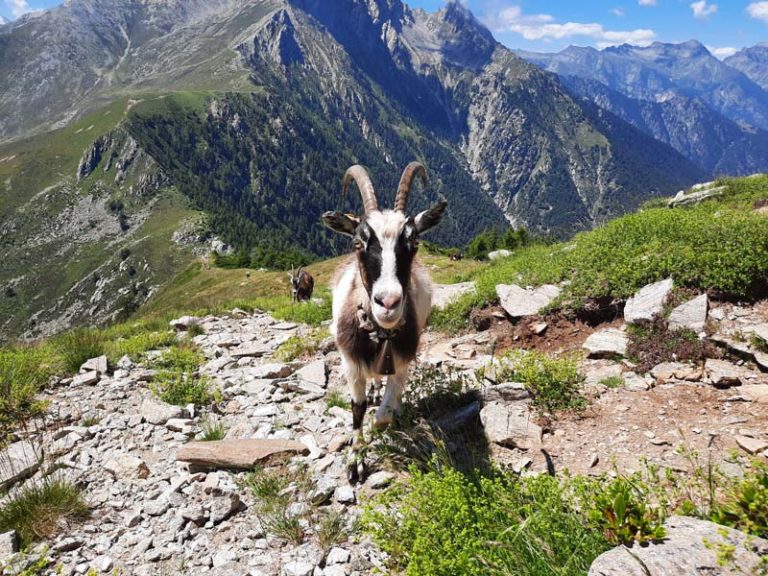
(430,218)
(341,223)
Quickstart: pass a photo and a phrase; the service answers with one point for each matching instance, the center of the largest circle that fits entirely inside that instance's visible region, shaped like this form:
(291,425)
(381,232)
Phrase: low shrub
(298,346)
(180,388)
(554,383)
(443,523)
(24,370)
(745,503)
(180,358)
(213,429)
(137,344)
(653,343)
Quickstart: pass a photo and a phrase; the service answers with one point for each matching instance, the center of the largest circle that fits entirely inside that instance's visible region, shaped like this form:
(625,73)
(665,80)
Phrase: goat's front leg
(355,457)
(390,405)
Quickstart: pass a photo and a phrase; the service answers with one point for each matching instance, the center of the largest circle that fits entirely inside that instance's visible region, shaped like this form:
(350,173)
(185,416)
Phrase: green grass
(180,388)
(338,399)
(77,346)
(719,245)
(213,429)
(36,511)
(24,370)
(612,382)
(269,487)
(180,358)
(554,383)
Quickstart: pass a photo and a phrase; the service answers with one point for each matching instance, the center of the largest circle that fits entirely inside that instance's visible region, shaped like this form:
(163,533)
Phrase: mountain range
(136,131)
(713,112)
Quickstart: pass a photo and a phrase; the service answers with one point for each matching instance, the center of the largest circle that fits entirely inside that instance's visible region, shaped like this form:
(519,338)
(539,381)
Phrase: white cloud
(722,52)
(617,12)
(19,7)
(758,11)
(544,27)
(647,2)
(703,10)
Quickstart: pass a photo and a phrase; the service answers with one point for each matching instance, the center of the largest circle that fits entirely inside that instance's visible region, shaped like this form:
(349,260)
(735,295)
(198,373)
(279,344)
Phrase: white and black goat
(381,295)
(302,284)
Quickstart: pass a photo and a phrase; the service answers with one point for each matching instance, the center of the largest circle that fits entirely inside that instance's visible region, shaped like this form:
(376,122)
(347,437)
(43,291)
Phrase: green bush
(137,344)
(36,511)
(446,524)
(719,245)
(745,504)
(554,383)
(180,388)
(213,429)
(181,358)
(77,346)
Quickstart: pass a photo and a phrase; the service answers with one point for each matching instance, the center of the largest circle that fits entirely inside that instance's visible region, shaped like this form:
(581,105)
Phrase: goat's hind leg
(356,455)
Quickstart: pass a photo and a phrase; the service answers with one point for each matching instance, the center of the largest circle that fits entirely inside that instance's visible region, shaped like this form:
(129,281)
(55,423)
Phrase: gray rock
(607,342)
(9,544)
(692,547)
(648,302)
(496,254)
(184,323)
(337,556)
(298,568)
(18,461)
(251,350)
(224,557)
(751,445)
(519,302)
(510,425)
(691,315)
(222,507)
(445,294)
(99,365)
(86,379)
(156,507)
(127,466)
(103,563)
(313,373)
(667,371)
(344,494)
(380,479)
(324,488)
(723,373)
(505,392)
(157,412)
(271,371)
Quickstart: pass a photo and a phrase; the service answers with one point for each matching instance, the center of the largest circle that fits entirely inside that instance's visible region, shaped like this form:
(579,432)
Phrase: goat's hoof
(356,472)
(383,418)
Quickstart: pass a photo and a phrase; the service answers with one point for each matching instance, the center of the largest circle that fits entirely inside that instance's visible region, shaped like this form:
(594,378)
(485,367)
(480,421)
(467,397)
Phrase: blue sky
(550,25)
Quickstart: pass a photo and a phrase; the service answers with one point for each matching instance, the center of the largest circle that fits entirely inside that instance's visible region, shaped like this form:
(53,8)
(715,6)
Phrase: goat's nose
(390,302)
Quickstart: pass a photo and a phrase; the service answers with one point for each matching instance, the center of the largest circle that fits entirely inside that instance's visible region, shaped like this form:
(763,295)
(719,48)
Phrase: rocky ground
(158,510)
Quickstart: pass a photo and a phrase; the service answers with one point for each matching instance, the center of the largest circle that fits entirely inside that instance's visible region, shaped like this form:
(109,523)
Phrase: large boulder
(18,461)
(510,425)
(692,547)
(647,302)
(691,315)
(519,302)
(608,342)
(445,294)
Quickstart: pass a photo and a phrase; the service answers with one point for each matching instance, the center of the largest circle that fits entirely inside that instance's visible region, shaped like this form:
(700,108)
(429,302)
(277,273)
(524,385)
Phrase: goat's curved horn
(404,188)
(364,184)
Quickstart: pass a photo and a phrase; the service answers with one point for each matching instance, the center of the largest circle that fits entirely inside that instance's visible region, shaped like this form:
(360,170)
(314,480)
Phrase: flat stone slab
(238,454)
(18,461)
(692,547)
(87,379)
(510,425)
(691,315)
(755,392)
(99,364)
(266,371)
(751,445)
(723,373)
(520,302)
(607,342)
(251,350)
(667,371)
(158,412)
(445,294)
(648,302)
(314,373)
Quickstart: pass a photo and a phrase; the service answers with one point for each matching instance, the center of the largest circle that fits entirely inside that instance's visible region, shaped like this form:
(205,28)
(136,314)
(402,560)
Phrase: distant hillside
(182,121)
(753,62)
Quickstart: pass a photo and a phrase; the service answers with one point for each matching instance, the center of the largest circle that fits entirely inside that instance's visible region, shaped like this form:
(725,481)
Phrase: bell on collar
(384,364)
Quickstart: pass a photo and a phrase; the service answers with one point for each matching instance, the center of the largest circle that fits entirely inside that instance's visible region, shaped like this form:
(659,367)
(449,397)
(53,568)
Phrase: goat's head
(385,241)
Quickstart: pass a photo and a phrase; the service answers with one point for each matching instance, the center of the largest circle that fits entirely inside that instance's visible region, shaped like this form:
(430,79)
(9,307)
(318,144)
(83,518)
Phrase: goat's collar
(384,362)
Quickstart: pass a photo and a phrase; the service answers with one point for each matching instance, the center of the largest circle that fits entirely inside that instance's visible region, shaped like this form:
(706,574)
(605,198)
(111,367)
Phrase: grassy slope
(720,245)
